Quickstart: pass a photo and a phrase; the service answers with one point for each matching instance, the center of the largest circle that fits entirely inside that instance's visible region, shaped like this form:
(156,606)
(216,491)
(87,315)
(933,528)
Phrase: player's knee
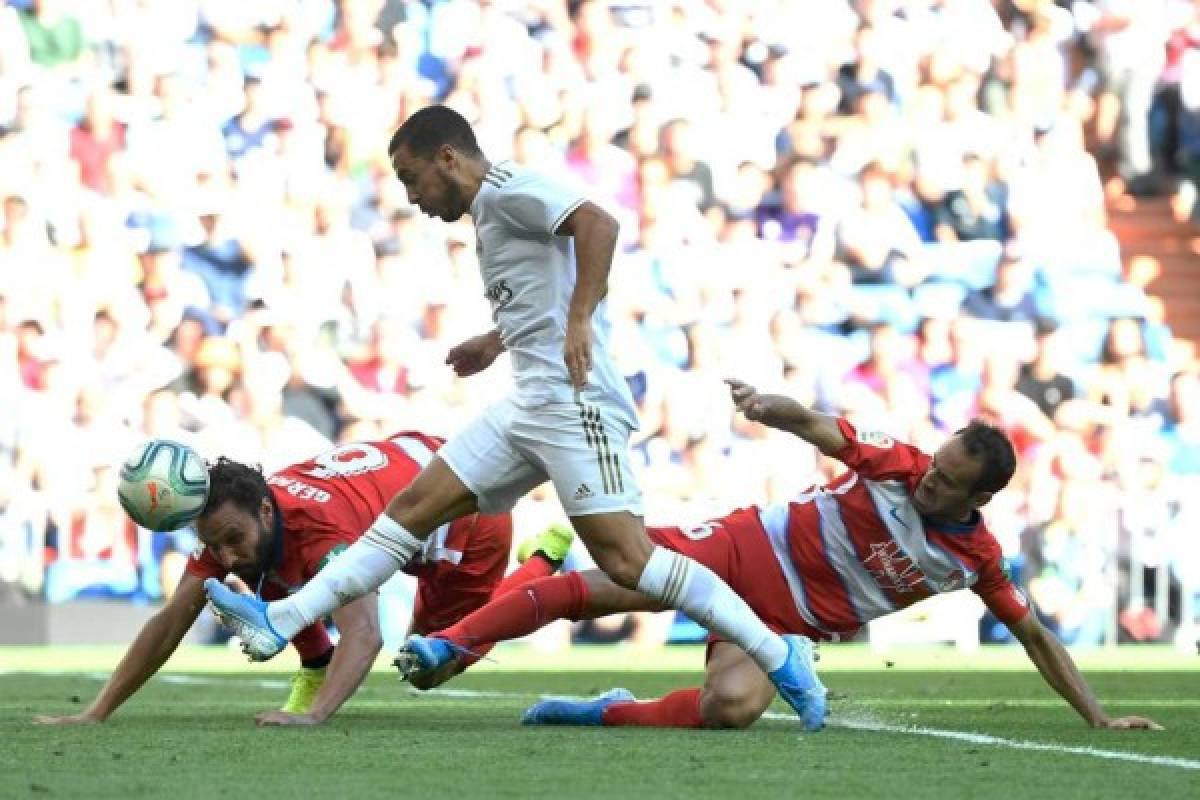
(729,707)
(622,566)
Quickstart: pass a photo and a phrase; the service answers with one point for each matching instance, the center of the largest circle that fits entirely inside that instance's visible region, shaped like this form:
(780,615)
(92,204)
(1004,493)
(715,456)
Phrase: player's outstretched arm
(1059,670)
(352,660)
(595,234)
(785,414)
(155,643)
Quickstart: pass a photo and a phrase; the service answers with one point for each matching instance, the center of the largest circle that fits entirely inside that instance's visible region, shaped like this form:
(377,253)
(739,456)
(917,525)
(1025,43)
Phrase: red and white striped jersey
(857,549)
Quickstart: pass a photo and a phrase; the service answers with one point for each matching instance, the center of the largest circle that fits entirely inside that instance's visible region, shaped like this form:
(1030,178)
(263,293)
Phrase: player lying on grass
(897,527)
(276,533)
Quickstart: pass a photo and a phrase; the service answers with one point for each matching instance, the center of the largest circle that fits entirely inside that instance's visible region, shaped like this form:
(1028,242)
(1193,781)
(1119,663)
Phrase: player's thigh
(583,450)
(435,497)
(736,690)
(488,465)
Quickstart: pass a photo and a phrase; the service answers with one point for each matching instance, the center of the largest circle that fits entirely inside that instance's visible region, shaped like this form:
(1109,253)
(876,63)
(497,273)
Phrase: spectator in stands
(1069,559)
(1183,423)
(978,209)
(1040,379)
(876,239)
(221,260)
(1010,298)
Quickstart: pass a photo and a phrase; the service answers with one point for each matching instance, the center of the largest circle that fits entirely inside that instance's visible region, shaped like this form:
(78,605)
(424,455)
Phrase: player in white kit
(544,252)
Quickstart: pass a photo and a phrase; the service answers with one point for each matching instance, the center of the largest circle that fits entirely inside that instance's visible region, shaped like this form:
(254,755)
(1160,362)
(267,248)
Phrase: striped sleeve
(533,204)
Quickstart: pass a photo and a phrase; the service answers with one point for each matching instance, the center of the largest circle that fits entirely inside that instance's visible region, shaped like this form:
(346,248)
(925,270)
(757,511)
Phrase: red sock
(534,567)
(312,643)
(680,709)
(520,612)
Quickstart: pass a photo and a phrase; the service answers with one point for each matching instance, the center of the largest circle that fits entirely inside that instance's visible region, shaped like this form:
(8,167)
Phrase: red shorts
(469,565)
(736,548)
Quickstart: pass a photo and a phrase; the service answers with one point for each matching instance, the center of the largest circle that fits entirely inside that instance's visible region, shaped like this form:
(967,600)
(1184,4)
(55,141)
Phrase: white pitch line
(856,723)
(862,724)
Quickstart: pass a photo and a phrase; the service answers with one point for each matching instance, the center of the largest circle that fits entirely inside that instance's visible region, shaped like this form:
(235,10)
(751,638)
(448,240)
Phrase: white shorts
(509,450)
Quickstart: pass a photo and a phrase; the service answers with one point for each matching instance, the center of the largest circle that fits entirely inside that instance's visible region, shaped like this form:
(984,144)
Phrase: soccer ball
(164,485)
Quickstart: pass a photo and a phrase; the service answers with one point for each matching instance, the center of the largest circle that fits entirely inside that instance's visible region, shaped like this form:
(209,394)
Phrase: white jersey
(529,276)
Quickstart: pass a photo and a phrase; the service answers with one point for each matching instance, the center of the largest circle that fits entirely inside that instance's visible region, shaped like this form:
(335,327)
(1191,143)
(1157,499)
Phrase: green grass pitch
(190,732)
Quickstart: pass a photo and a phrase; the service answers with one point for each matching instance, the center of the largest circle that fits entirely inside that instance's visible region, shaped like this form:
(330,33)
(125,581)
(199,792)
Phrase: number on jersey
(347,461)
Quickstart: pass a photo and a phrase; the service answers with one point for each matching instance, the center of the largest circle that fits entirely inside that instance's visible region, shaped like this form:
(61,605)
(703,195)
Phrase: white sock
(361,568)
(688,586)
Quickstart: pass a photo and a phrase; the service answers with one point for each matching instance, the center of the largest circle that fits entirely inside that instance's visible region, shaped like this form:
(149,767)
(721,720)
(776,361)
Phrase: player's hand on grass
(475,354)
(267,719)
(1130,723)
(577,351)
(66,719)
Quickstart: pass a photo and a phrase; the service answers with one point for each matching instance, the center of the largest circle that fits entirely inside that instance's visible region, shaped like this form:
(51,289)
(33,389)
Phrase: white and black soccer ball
(163,485)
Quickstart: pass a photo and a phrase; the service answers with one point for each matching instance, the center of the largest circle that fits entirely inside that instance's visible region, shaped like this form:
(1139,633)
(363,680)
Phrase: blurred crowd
(884,208)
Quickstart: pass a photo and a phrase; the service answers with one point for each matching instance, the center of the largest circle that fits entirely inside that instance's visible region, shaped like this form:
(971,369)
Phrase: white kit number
(698,532)
(348,460)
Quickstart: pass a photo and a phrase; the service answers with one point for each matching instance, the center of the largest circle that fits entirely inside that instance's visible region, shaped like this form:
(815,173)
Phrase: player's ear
(266,511)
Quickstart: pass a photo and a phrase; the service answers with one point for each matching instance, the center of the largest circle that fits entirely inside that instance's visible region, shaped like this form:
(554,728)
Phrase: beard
(252,572)
(454,203)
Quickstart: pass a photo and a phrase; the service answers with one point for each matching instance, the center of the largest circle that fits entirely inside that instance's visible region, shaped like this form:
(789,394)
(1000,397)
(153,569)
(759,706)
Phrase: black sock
(320,662)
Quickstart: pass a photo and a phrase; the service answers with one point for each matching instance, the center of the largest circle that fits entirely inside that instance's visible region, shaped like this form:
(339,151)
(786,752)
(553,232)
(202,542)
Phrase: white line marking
(867,724)
(857,722)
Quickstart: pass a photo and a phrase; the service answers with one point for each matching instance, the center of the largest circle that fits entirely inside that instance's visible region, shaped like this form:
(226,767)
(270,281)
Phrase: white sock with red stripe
(360,568)
(688,586)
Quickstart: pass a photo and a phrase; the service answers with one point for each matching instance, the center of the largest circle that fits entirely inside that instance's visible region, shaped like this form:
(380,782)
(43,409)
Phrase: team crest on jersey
(892,568)
(499,294)
(876,439)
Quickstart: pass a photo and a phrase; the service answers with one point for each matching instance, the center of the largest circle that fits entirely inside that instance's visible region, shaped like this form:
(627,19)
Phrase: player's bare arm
(1058,668)
(785,414)
(475,354)
(357,649)
(155,643)
(595,234)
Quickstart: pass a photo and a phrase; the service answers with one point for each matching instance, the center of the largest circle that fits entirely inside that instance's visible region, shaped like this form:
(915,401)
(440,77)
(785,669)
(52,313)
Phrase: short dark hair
(430,128)
(242,485)
(991,447)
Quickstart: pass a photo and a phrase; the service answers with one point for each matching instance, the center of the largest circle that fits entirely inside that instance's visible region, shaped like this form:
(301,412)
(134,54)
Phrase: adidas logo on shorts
(583,492)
